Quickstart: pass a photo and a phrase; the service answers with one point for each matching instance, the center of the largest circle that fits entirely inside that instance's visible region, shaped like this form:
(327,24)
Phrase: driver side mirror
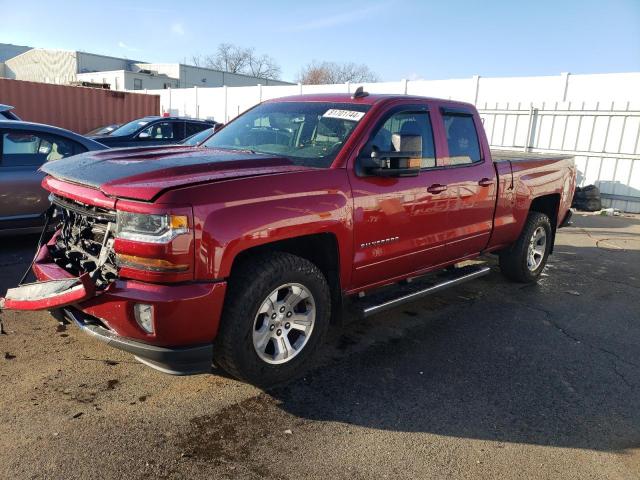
(404,161)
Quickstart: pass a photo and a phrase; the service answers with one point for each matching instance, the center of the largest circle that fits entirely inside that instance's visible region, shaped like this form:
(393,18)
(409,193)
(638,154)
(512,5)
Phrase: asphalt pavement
(491,380)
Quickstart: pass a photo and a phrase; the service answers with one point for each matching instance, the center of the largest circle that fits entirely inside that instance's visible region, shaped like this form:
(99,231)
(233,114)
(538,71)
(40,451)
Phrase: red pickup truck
(241,252)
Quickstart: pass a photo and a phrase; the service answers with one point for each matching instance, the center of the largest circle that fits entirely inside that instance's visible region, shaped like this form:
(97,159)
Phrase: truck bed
(518,156)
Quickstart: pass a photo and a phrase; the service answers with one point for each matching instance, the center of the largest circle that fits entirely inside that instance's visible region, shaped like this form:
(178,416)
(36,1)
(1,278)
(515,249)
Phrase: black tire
(514,260)
(590,191)
(593,205)
(250,285)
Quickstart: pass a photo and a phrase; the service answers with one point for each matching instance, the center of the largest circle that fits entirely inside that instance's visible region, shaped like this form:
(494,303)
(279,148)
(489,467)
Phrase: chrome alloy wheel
(284,323)
(537,247)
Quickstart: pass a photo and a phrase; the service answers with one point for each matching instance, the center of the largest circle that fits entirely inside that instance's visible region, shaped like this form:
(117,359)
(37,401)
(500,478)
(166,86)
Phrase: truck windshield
(308,133)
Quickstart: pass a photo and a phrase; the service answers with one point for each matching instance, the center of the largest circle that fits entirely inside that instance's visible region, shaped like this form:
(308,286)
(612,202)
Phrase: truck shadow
(554,364)
(537,365)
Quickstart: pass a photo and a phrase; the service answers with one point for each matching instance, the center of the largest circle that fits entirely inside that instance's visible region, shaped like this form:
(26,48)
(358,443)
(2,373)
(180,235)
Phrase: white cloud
(177,28)
(340,18)
(121,44)
(415,76)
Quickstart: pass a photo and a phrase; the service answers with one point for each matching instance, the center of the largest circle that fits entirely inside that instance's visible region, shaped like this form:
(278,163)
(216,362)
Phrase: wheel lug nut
(289,314)
(287,325)
(279,332)
(272,327)
(273,315)
(282,309)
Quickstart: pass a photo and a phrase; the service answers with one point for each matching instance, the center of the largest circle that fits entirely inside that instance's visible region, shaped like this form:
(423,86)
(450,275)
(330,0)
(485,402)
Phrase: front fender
(233,216)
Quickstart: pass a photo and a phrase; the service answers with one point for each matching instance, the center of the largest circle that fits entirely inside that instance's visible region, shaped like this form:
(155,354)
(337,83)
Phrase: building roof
(9,50)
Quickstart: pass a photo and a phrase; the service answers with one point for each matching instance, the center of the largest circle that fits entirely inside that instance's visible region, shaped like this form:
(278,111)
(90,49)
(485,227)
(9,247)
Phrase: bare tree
(263,66)
(229,58)
(234,59)
(317,73)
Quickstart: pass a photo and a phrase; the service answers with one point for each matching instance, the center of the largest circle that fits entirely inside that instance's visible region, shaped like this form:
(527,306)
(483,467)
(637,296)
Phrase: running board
(457,277)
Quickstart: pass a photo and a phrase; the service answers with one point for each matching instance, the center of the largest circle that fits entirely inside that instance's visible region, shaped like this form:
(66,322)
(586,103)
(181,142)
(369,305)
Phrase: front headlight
(143,227)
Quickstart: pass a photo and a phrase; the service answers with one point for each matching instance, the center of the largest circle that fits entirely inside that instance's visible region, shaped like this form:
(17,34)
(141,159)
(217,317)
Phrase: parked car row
(153,131)
(27,146)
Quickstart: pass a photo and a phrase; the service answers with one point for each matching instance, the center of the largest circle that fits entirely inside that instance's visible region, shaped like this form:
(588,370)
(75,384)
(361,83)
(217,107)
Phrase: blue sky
(395,38)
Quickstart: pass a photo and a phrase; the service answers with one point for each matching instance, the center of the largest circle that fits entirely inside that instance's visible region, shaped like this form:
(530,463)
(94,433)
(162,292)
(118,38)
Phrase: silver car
(24,148)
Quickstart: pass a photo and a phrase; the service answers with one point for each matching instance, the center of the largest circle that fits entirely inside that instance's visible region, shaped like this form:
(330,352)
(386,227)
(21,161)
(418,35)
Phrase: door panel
(400,222)
(472,182)
(21,196)
(399,227)
(472,207)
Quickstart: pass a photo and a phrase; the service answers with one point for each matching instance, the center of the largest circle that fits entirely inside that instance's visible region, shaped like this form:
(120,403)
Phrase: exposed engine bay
(84,243)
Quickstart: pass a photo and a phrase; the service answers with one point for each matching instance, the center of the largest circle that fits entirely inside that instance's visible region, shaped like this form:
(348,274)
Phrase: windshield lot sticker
(344,114)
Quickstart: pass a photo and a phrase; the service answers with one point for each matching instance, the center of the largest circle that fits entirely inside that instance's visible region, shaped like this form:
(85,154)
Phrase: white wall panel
(594,117)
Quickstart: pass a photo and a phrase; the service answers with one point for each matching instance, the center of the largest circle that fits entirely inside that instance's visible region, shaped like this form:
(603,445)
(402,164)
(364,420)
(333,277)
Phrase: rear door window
(462,138)
(24,148)
(195,127)
(163,131)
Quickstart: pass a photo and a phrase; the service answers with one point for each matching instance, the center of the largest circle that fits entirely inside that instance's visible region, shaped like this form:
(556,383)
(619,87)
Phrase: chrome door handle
(436,188)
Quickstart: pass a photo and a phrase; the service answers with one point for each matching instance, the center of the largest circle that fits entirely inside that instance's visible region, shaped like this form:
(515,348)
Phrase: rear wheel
(275,318)
(525,260)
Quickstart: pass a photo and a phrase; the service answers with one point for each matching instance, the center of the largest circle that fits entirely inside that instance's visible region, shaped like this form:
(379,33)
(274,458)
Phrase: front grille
(85,241)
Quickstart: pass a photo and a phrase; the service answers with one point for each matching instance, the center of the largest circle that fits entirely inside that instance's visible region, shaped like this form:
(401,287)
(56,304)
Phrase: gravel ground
(488,380)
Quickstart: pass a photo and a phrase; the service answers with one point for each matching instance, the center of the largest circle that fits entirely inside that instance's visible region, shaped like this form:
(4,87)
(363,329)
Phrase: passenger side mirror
(404,161)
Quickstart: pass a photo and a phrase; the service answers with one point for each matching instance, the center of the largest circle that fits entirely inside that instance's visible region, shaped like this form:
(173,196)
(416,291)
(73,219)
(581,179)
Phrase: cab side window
(162,131)
(407,123)
(21,148)
(193,128)
(462,139)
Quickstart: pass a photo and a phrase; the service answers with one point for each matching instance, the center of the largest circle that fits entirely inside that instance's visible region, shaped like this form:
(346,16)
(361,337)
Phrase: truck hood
(144,173)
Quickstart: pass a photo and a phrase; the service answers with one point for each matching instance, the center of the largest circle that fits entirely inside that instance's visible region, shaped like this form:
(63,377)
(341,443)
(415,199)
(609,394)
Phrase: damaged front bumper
(49,294)
(186,316)
(175,361)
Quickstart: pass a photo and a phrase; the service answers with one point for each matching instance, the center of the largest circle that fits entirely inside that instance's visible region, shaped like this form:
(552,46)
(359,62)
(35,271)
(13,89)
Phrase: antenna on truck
(359,93)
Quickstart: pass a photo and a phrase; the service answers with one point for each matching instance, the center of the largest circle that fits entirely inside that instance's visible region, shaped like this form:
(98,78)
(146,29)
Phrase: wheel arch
(550,206)
(321,249)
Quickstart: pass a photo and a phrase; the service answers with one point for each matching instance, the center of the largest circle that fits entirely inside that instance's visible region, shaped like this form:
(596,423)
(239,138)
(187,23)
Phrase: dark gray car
(24,148)
(153,131)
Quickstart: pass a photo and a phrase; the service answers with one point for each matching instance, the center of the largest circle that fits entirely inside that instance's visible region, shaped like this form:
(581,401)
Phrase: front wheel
(525,259)
(275,317)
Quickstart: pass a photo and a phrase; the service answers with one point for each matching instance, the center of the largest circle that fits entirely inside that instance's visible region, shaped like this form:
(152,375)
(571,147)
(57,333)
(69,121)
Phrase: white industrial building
(147,76)
(69,67)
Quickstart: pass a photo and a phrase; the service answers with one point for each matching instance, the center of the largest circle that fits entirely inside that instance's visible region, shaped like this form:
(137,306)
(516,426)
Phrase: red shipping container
(79,109)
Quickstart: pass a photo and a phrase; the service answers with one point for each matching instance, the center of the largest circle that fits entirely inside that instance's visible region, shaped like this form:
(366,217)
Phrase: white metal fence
(603,138)
(594,117)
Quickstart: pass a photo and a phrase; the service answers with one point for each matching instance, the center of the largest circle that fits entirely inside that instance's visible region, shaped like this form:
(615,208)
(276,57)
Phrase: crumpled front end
(84,242)
(169,326)
(49,294)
